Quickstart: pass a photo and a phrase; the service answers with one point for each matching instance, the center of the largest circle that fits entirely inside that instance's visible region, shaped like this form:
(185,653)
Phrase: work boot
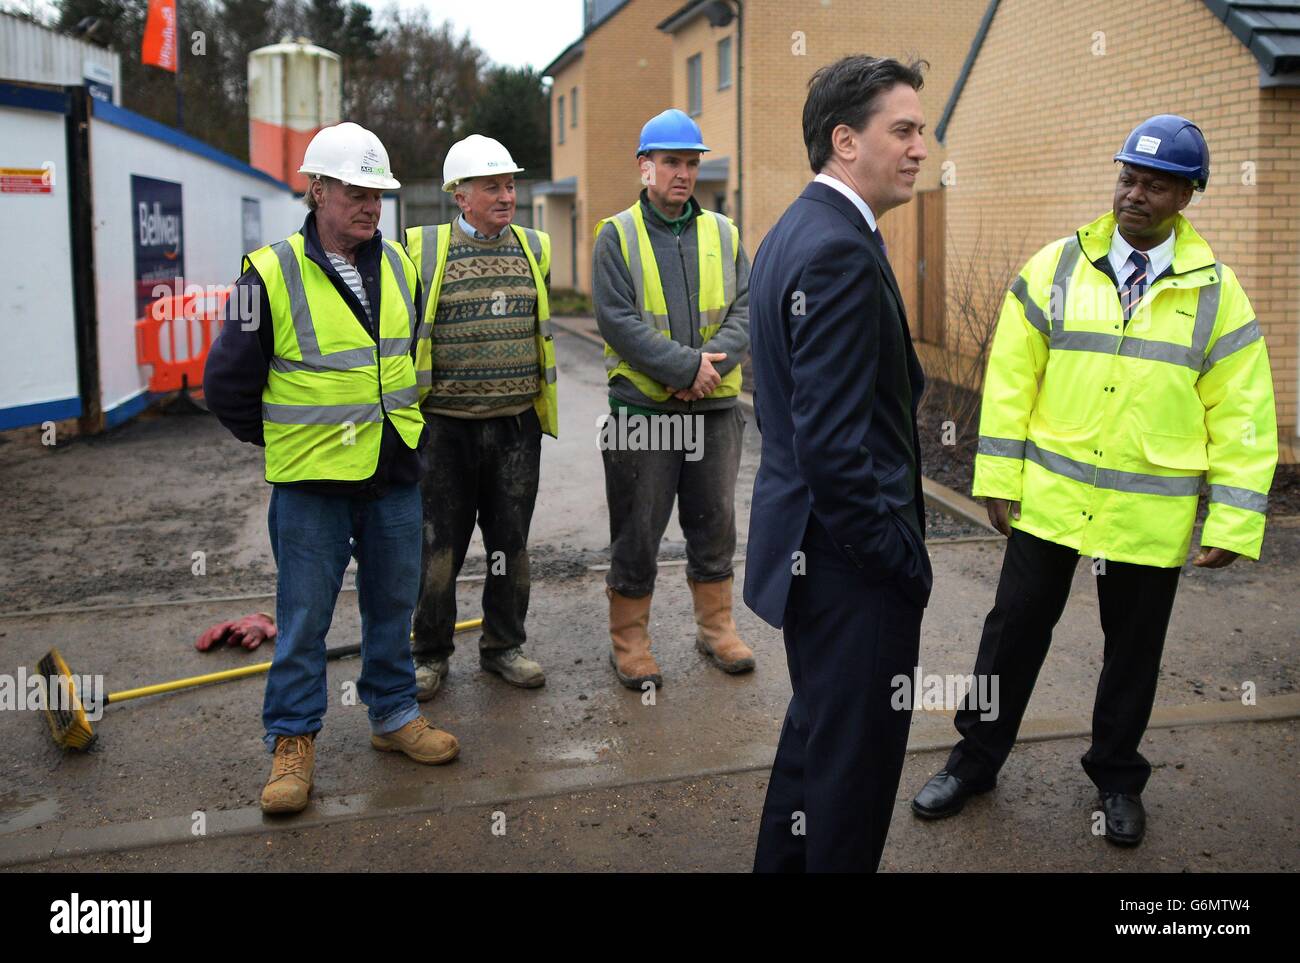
(429,674)
(629,620)
(512,666)
(716,635)
(419,740)
(291,768)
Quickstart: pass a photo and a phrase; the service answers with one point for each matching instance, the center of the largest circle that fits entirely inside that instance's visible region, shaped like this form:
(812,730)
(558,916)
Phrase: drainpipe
(740,116)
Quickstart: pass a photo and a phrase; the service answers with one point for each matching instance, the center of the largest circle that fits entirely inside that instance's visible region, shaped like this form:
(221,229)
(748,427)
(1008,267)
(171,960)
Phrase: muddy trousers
(641,486)
(482,471)
(1135,602)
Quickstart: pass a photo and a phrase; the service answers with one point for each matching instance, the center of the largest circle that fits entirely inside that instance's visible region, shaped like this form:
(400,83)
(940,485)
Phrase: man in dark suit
(836,551)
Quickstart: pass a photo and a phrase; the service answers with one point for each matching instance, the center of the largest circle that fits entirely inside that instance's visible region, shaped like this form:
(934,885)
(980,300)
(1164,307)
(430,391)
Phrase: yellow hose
(224,676)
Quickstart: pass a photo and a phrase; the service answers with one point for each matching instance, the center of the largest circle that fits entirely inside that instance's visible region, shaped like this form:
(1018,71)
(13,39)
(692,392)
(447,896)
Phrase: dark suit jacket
(837,383)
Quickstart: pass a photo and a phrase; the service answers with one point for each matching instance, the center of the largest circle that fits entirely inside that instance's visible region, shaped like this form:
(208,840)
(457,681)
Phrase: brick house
(638,57)
(1044,102)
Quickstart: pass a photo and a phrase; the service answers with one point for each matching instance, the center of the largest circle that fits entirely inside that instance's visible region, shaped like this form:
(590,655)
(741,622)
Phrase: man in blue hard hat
(1126,370)
(670,286)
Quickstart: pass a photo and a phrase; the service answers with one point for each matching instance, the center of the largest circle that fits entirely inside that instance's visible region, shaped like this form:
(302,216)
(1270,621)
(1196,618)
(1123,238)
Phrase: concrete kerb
(498,790)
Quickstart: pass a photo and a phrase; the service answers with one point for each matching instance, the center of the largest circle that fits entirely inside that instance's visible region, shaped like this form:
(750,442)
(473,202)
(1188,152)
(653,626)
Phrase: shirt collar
(852,195)
(474,232)
(1160,256)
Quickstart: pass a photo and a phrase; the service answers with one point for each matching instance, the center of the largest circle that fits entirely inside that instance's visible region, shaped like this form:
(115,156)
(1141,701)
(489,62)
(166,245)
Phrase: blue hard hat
(671,130)
(1170,143)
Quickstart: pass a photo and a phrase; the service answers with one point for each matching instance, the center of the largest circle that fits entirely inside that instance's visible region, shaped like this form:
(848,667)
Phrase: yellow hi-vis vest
(718,240)
(330,386)
(1104,432)
(537,249)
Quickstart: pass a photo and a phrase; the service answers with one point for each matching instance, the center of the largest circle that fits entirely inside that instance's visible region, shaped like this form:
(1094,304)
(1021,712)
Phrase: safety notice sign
(26,180)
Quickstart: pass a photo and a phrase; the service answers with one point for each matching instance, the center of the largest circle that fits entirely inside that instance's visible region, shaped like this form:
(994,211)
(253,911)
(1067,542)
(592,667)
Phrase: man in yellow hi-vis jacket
(670,289)
(1127,368)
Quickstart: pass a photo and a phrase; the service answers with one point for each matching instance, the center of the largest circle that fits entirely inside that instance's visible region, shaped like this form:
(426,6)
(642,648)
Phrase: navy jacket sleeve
(239,360)
(835,359)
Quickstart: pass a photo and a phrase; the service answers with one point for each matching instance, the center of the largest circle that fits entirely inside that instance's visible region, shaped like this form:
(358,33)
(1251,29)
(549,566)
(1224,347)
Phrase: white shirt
(1161,256)
(852,195)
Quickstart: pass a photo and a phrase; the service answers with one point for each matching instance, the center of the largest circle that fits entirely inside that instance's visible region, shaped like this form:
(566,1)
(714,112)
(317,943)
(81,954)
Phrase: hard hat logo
(1168,142)
(348,152)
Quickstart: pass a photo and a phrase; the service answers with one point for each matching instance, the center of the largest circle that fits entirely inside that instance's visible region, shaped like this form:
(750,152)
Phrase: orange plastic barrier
(174,336)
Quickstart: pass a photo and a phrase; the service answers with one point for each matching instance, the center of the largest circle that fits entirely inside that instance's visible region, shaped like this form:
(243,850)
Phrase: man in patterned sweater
(487,389)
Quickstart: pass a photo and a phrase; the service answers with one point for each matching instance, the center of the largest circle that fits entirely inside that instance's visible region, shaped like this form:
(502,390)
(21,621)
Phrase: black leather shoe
(945,794)
(1126,820)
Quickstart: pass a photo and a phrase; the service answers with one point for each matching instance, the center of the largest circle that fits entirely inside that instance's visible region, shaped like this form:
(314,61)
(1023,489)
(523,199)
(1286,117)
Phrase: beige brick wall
(785,43)
(1051,99)
(567,160)
(628,71)
(717,118)
(631,71)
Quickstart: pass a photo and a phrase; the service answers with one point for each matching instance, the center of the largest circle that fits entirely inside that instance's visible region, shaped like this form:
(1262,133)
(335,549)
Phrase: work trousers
(848,639)
(642,484)
(1135,603)
(312,538)
(482,471)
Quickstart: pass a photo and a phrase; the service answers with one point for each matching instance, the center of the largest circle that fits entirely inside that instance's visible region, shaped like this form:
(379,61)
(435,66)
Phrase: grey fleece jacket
(672,362)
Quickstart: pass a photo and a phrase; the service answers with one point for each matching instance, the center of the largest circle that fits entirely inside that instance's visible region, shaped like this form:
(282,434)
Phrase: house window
(573,107)
(724,63)
(720,202)
(560,126)
(694,85)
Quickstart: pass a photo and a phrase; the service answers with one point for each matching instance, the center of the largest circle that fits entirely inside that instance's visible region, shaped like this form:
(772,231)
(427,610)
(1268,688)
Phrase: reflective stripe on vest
(342,379)
(717,240)
(1127,345)
(428,247)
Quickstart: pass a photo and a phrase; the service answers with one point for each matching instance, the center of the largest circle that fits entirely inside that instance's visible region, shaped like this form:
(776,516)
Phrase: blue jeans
(312,537)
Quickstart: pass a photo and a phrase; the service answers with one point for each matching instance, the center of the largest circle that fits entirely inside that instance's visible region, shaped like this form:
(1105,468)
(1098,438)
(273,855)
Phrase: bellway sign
(159,46)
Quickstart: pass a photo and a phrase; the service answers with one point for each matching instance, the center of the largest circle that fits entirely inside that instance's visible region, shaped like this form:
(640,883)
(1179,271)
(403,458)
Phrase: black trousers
(835,778)
(485,471)
(1135,603)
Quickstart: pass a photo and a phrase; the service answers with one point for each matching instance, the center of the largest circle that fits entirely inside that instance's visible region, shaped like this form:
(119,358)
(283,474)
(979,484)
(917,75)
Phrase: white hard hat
(476,156)
(351,154)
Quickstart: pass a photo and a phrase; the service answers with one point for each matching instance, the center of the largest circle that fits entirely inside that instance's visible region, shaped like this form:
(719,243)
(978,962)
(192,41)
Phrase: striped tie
(1131,291)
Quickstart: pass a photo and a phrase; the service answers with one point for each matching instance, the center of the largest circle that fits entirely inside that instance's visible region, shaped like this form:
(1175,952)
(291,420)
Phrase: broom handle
(241,672)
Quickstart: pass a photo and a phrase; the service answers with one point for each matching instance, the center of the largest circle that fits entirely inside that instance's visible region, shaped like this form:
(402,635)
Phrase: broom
(69,724)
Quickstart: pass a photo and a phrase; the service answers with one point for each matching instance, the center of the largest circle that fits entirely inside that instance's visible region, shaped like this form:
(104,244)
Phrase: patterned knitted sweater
(485,361)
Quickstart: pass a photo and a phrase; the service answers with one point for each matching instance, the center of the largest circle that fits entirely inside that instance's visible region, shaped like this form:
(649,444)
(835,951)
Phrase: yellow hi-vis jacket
(1104,432)
(718,240)
(330,387)
(537,249)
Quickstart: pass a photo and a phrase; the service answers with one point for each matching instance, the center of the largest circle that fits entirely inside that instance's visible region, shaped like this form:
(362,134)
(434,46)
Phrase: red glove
(250,632)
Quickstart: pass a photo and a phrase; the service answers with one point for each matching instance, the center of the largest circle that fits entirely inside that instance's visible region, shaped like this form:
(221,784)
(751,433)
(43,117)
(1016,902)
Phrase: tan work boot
(291,768)
(716,636)
(629,620)
(419,740)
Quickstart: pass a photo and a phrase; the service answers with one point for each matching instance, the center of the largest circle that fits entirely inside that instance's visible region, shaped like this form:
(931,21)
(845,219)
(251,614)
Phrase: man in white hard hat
(322,374)
(487,388)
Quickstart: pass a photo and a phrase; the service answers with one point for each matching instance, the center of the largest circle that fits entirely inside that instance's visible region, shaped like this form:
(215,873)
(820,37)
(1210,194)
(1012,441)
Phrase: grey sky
(513,33)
